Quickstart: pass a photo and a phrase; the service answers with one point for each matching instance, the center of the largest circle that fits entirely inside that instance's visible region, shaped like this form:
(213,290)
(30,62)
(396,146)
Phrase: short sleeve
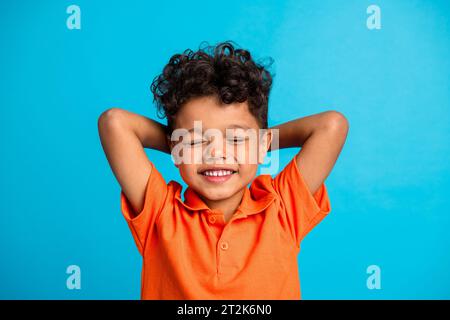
(302,209)
(142,224)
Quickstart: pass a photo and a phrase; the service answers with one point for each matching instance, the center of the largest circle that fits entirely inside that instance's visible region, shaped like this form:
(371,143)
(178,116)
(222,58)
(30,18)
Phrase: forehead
(215,115)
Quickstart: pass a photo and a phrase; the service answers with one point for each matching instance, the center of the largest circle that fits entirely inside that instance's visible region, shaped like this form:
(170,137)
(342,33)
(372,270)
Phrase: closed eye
(237,140)
(197,142)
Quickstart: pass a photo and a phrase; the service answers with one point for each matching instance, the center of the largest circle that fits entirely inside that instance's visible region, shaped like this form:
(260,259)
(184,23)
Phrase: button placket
(212,219)
(224,245)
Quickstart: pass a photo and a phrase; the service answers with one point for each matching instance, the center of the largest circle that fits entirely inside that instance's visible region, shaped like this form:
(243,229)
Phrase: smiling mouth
(217,175)
(217,172)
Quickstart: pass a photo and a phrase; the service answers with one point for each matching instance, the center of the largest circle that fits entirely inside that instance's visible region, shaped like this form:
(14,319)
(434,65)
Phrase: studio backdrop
(383,64)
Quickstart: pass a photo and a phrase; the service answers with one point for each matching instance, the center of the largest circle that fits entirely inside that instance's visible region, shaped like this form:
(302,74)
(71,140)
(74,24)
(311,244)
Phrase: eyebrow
(233,126)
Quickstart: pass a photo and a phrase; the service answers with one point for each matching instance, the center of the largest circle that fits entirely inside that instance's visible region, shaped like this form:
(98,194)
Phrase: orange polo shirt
(189,252)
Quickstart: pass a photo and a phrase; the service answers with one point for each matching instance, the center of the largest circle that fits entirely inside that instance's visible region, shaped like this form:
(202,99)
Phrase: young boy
(224,240)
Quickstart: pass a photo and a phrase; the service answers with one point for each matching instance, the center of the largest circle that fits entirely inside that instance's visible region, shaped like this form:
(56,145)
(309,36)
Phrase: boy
(224,240)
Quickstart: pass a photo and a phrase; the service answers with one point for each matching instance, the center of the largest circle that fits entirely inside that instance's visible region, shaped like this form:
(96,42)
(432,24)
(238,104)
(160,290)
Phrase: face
(219,146)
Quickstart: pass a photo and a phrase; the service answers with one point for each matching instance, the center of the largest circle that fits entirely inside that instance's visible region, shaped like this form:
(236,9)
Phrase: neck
(226,206)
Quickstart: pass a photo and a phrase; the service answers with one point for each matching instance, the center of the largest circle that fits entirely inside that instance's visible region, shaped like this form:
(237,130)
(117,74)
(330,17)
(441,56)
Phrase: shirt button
(224,245)
(212,219)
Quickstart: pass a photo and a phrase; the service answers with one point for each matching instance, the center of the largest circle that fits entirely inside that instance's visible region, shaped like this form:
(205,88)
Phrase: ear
(169,142)
(264,145)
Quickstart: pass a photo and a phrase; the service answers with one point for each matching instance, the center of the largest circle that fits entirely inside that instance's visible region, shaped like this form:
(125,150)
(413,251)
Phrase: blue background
(389,189)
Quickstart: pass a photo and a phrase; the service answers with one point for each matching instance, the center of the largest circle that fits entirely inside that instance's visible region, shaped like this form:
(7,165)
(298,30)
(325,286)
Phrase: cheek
(246,154)
(188,172)
(247,171)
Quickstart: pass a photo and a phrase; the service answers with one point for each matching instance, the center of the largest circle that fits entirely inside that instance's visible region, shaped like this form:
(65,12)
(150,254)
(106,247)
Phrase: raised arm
(124,135)
(321,138)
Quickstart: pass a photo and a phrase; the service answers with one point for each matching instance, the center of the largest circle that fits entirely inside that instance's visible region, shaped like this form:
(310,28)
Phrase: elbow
(110,118)
(336,121)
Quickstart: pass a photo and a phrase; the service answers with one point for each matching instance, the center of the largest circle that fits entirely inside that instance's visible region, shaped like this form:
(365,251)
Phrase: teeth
(217,173)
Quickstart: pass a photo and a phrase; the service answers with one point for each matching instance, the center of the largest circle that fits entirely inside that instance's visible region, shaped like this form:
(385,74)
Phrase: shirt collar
(253,201)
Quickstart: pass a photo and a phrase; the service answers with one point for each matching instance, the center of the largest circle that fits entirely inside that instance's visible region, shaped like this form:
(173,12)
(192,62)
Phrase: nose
(216,149)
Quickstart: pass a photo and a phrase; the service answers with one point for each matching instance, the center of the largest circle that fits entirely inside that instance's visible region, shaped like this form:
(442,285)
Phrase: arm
(124,135)
(321,138)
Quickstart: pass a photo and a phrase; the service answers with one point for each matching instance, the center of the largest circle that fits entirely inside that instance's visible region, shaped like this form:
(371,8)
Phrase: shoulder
(174,187)
(262,185)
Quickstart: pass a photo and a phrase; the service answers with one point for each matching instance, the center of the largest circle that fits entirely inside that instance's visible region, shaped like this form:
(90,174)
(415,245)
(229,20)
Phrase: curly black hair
(223,70)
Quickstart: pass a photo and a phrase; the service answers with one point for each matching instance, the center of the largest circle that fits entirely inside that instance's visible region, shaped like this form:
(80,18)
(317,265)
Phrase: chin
(215,194)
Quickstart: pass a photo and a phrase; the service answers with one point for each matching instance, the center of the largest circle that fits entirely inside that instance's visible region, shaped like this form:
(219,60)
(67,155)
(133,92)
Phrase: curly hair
(227,72)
